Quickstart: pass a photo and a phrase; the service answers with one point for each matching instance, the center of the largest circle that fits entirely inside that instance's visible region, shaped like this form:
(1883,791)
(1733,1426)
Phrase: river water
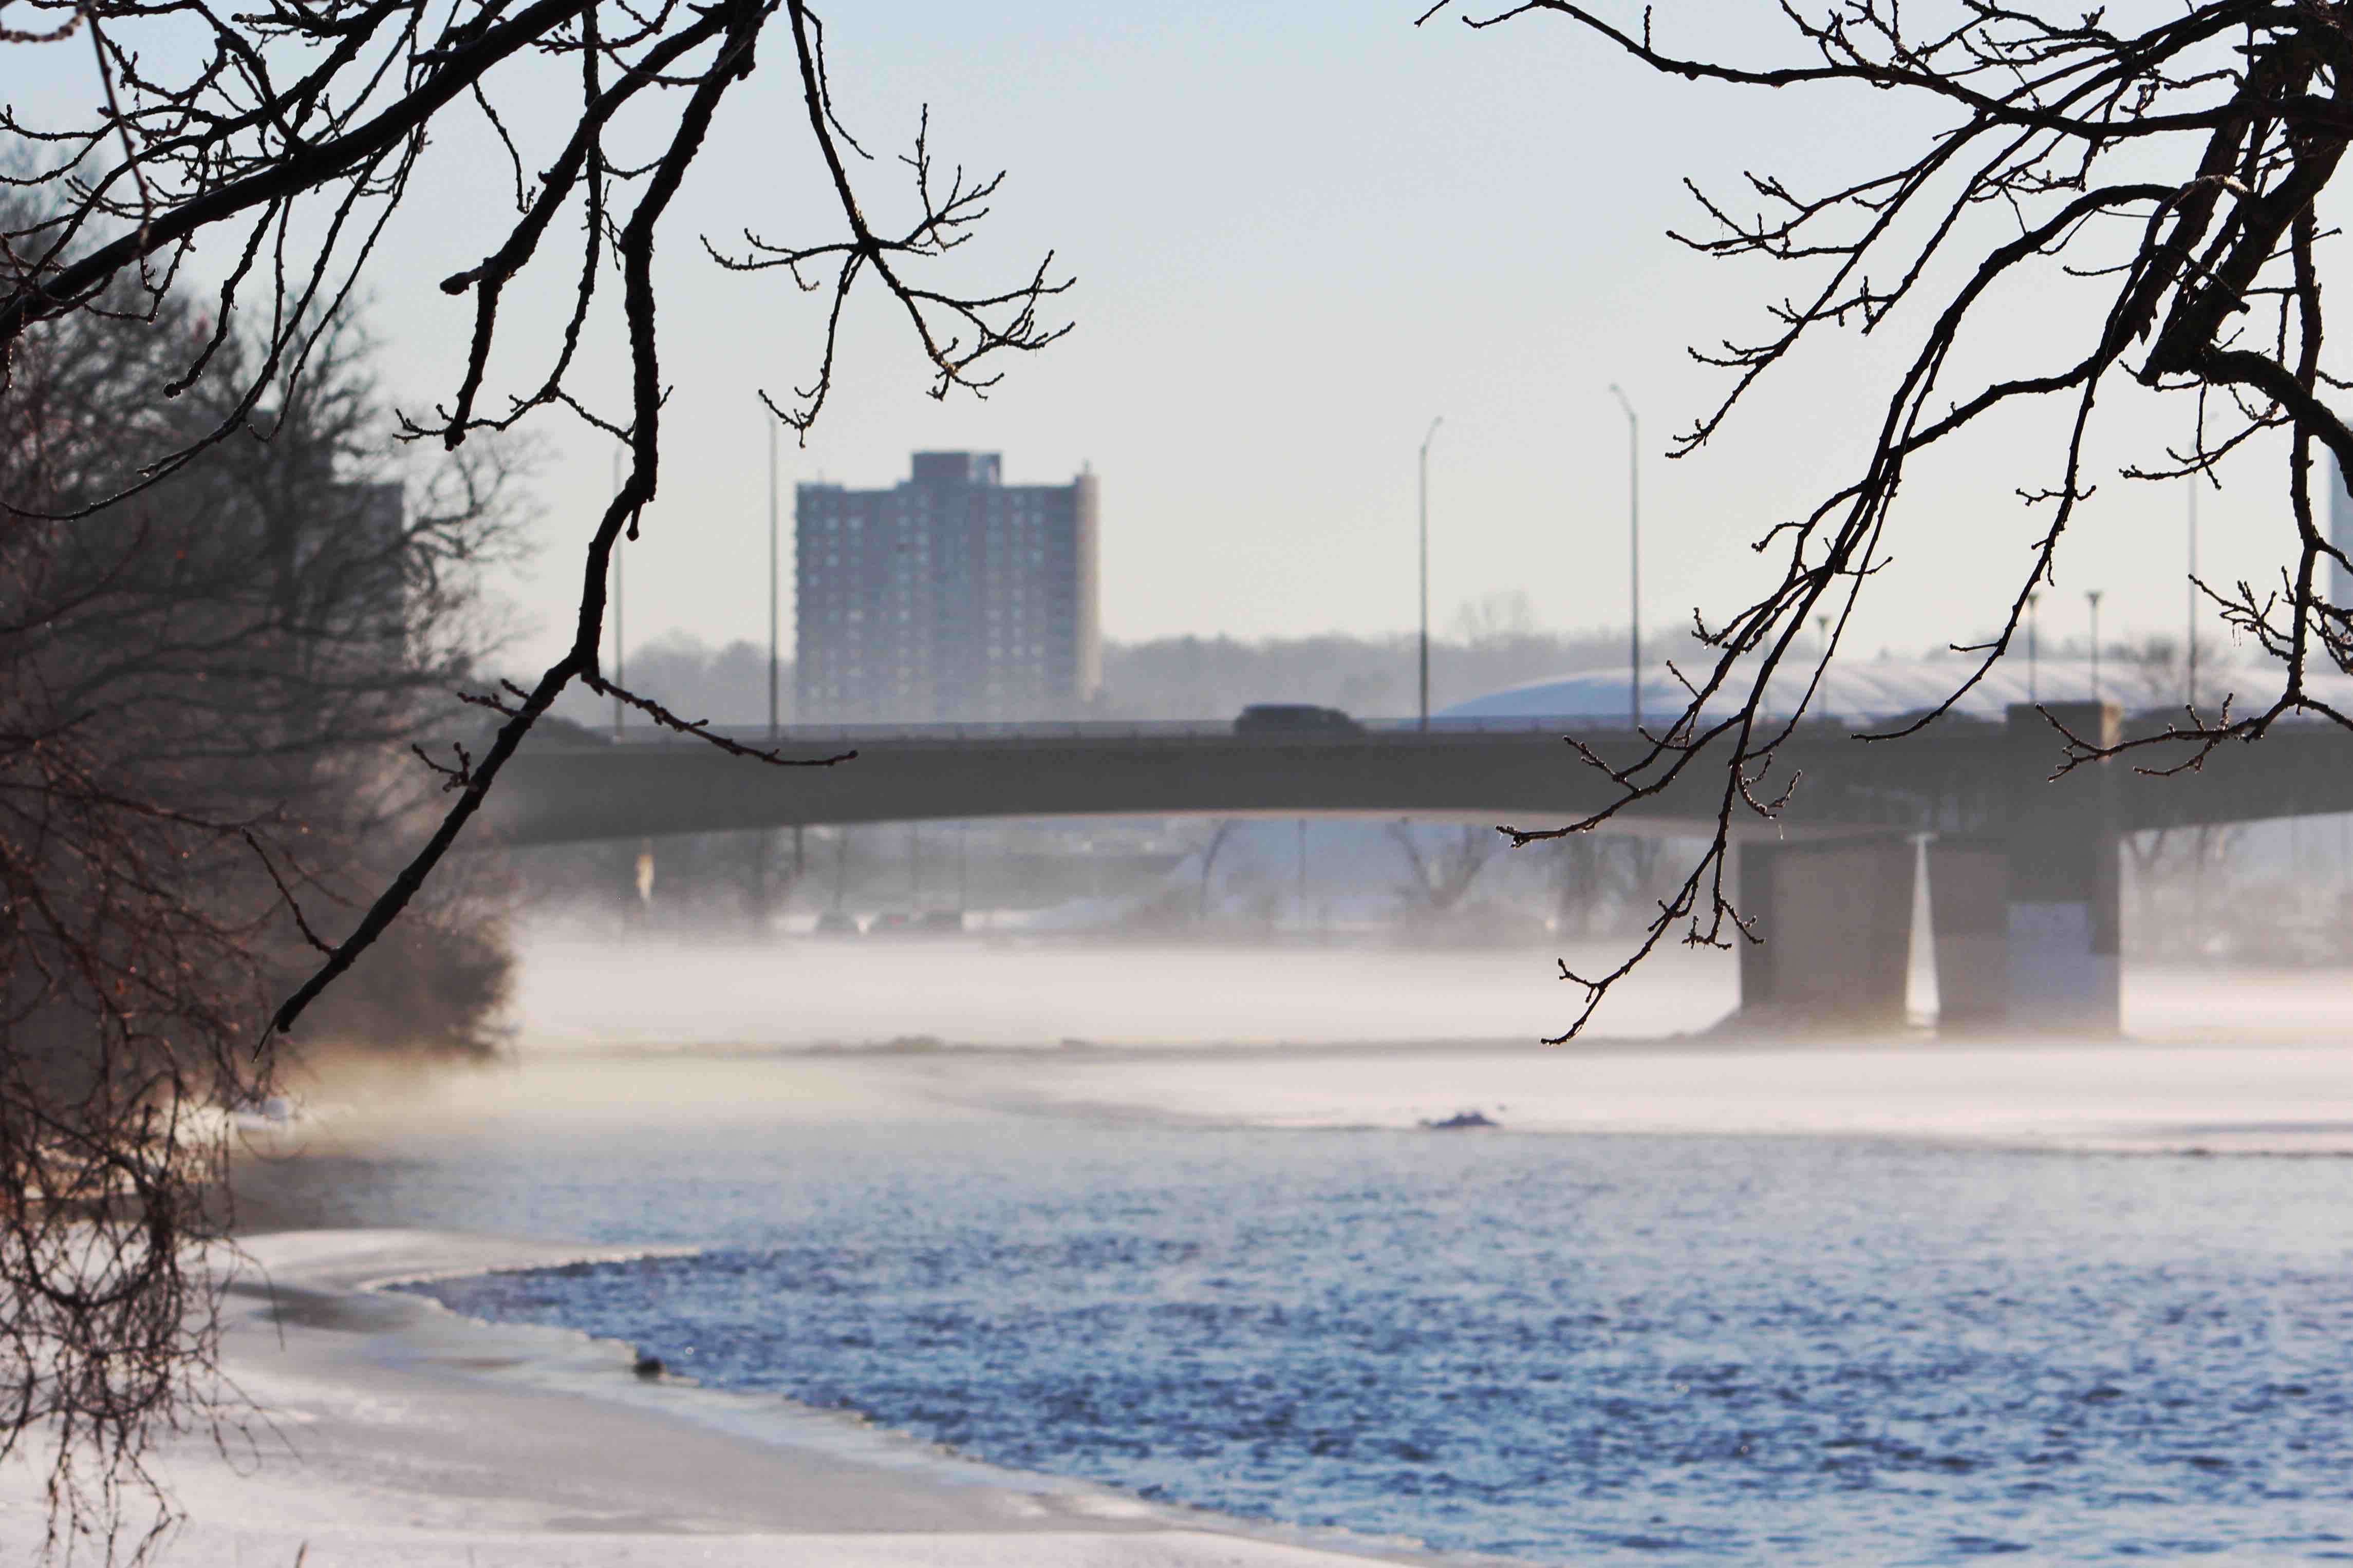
(1547,1348)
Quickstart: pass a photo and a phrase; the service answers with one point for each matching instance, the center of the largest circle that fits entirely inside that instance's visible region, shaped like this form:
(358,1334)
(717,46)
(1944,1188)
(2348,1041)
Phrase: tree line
(208,691)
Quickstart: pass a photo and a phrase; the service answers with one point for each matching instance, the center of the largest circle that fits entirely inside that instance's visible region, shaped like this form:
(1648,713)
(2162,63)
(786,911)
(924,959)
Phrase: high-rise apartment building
(951,596)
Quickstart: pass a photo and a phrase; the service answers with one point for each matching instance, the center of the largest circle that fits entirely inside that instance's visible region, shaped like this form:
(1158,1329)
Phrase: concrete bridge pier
(1836,919)
(2063,907)
(2027,922)
(2024,920)
(1968,919)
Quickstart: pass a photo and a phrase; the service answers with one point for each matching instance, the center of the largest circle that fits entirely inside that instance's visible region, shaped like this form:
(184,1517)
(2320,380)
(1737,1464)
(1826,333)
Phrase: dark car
(1294,718)
(834,923)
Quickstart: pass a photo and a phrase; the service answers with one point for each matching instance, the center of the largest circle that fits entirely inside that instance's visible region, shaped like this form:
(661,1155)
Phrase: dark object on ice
(1294,718)
(1460,1120)
(648,1367)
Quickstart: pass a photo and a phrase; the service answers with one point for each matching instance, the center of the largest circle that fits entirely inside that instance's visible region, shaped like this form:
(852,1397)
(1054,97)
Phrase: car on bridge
(1294,718)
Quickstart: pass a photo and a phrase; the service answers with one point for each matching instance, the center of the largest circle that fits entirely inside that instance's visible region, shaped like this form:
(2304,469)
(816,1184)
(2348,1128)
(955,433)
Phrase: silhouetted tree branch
(2175,164)
(309,119)
(252,161)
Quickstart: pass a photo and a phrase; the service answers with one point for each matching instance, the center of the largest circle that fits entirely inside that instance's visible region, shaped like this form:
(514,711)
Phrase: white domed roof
(1867,689)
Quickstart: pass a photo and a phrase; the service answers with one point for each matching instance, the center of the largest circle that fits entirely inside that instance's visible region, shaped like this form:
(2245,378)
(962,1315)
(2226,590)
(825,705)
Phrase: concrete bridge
(2022,871)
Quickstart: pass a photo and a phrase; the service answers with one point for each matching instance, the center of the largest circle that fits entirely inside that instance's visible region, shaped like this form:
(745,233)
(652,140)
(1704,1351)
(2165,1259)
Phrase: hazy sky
(1300,231)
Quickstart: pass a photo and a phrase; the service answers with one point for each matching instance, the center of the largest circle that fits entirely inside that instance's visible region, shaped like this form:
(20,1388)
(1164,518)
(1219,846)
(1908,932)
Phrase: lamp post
(1424,508)
(2092,597)
(2032,693)
(620,656)
(2189,617)
(772,578)
(1633,556)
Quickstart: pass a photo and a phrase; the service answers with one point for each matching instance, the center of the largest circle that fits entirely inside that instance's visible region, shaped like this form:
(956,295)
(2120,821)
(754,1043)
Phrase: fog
(663,990)
(1366,974)
(796,992)
(1263,933)
(660,1034)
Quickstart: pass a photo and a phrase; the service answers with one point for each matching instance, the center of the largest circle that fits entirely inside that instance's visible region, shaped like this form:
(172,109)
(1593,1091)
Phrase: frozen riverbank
(379,1430)
(390,1431)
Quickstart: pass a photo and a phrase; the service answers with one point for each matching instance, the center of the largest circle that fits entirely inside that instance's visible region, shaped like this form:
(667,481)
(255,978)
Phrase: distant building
(951,596)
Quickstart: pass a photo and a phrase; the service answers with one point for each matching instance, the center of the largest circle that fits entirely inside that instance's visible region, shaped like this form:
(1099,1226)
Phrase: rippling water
(1589,1349)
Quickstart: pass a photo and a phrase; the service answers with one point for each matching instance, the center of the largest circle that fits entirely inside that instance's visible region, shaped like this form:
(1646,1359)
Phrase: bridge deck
(1958,777)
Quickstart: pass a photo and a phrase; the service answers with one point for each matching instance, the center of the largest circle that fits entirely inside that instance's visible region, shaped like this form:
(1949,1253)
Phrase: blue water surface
(1556,1349)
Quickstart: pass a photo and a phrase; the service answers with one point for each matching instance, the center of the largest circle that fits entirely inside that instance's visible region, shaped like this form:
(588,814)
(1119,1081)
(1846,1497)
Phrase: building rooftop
(1877,689)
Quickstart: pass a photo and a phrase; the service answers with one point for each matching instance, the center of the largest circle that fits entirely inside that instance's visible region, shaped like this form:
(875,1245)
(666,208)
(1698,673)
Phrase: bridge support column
(1836,917)
(2063,914)
(1968,919)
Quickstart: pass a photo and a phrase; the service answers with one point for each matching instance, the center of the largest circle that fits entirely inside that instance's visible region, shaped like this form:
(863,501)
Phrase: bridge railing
(843,736)
(799,736)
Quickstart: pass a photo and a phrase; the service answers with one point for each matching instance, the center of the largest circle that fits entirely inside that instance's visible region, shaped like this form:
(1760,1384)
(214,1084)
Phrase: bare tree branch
(2229,116)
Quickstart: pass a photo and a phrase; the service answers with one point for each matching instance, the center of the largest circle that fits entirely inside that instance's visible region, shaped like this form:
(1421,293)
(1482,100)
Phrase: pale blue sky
(1300,231)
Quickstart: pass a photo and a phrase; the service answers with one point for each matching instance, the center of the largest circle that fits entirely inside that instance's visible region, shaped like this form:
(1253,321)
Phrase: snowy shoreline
(376,1428)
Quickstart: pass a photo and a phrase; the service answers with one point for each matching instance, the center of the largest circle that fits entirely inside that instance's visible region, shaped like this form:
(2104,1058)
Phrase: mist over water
(1198,1265)
(680,989)
(715,988)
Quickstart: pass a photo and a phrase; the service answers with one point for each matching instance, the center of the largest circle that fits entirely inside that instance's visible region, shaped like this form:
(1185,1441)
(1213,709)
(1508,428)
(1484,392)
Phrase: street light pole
(2190,619)
(2092,596)
(772,578)
(620,655)
(2032,693)
(1425,440)
(1633,556)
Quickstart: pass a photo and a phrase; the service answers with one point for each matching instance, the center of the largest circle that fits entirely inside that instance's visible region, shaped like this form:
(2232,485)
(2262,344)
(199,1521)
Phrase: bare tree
(202,683)
(2175,166)
(1504,618)
(266,150)
(1596,873)
(1210,847)
(309,119)
(1440,877)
